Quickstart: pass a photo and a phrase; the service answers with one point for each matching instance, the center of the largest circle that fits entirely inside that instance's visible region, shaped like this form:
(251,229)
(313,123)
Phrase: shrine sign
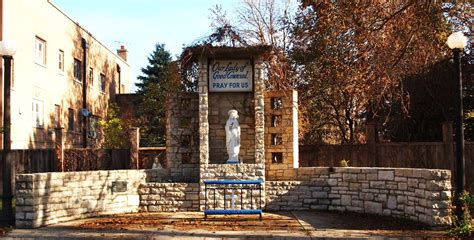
(230,76)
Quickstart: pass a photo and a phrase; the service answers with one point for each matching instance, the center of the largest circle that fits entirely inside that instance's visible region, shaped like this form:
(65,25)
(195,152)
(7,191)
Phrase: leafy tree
(353,57)
(159,78)
(115,130)
(354,62)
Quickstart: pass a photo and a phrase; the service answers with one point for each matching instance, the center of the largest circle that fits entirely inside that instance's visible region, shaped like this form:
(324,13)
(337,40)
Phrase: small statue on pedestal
(232,133)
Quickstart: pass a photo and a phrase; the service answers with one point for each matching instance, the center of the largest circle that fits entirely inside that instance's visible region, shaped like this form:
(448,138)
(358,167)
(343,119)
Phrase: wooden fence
(96,159)
(412,155)
(33,160)
(46,160)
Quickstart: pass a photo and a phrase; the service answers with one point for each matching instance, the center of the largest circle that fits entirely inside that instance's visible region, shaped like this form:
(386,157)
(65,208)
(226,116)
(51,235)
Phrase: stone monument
(232,132)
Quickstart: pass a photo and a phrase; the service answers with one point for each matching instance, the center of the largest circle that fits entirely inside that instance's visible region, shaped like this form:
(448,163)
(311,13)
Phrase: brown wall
(46,85)
(219,105)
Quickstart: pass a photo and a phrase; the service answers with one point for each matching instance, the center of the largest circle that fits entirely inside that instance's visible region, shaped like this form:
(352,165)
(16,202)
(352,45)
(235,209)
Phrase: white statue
(232,136)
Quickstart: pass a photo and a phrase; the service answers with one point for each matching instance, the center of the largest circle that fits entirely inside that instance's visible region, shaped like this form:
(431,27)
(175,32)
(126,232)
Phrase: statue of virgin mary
(232,133)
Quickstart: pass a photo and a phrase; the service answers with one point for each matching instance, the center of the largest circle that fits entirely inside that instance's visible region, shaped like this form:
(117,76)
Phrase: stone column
(259,89)
(171,152)
(203,127)
(294,108)
(203,113)
(259,113)
(134,147)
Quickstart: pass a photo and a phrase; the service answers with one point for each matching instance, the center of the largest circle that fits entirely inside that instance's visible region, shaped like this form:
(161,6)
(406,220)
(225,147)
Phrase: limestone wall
(419,194)
(169,197)
(48,198)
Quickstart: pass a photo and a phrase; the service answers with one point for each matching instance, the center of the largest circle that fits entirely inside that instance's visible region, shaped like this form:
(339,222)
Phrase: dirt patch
(192,221)
(286,221)
(358,221)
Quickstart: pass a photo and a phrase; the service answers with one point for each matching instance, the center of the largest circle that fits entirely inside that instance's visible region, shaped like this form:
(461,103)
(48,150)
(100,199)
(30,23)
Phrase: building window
(61,60)
(57,116)
(40,46)
(91,78)
(77,70)
(70,119)
(102,83)
(37,109)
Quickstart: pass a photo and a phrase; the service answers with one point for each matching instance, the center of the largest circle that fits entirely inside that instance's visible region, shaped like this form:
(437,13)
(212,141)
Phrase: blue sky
(140,24)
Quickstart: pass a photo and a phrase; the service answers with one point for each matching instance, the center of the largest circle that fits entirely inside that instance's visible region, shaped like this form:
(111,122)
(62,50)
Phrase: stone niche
(219,105)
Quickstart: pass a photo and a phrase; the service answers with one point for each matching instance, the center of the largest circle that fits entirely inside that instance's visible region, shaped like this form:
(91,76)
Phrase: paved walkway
(281,225)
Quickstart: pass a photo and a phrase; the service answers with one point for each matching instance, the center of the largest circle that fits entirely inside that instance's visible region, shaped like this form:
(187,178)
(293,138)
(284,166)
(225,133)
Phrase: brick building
(56,60)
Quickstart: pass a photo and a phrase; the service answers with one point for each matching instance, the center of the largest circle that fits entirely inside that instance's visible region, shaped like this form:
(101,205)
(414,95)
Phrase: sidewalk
(281,225)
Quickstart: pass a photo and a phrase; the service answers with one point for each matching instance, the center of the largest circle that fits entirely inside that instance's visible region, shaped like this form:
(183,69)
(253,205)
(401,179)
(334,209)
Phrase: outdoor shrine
(231,81)
(232,148)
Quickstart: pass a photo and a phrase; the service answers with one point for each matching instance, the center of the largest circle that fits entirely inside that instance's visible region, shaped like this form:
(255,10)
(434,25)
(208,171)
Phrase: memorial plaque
(119,186)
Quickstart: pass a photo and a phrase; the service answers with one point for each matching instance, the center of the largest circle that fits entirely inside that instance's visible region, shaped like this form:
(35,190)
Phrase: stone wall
(182,137)
(219,105)
(418,194)
(281,133)
(169,197)
(48,198)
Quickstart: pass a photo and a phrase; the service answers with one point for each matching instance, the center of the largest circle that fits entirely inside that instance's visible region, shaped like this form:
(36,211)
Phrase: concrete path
(281,225)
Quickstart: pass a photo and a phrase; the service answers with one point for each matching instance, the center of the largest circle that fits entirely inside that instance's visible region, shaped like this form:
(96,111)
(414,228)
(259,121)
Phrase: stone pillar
(259,113)
(371,135)
(134,147)
(259,89)
(203,127)
(203,113)
(448,146)
(296,157)
(59,149)
(171,151)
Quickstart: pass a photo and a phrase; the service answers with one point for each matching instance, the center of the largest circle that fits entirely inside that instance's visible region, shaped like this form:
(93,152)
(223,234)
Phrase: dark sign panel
(230,76)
